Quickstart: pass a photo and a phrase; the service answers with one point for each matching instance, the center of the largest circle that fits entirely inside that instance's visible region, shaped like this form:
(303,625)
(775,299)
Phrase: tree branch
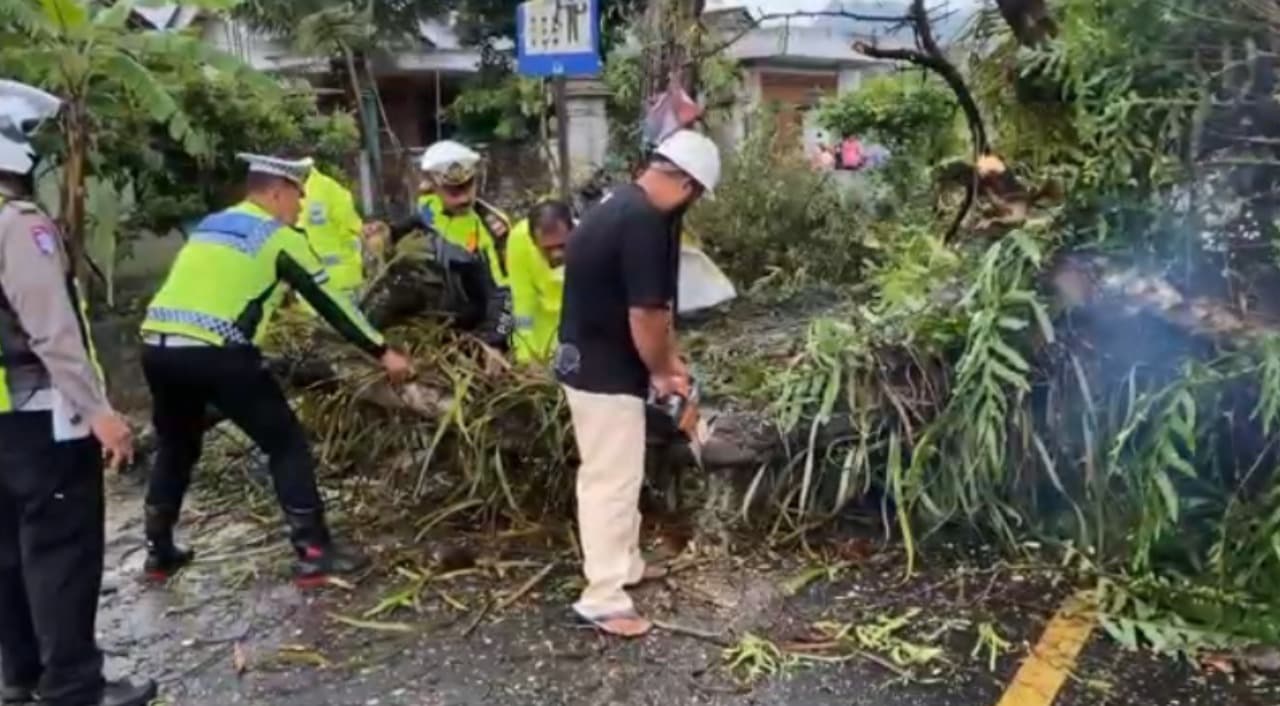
(930,56)
(756,22)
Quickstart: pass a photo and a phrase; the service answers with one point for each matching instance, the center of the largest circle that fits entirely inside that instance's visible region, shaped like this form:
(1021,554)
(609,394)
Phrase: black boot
(318,555)
(164,558)
(123,693)
(17,695)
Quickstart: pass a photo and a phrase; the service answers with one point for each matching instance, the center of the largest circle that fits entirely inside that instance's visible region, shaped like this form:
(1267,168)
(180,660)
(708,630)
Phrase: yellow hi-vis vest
(22,375)
(333,226)
(481,229)
(226,283)
(537,289)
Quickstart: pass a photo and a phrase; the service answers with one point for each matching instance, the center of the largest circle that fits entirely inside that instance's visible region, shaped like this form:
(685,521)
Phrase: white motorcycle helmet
(23,109)
(449,163)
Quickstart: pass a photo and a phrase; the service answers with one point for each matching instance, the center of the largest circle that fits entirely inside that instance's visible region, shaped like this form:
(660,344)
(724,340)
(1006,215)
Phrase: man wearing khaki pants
(618,342)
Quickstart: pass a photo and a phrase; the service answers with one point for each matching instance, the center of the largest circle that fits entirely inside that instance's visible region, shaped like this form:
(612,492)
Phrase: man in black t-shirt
(617,342)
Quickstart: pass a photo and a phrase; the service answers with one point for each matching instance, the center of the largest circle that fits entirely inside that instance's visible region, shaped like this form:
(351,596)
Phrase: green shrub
(773,214)
(914,115)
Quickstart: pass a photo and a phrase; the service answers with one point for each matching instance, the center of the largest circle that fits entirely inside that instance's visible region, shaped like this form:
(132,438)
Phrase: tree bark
(73,184)
(1029,20)
(666,23)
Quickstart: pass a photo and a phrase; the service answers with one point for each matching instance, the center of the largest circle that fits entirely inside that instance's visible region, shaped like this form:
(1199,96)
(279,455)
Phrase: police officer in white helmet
(472,242)
(617,345)
(56,427)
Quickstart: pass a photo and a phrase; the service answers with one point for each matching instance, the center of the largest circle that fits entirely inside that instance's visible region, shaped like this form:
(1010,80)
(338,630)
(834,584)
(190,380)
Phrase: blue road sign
(558,38)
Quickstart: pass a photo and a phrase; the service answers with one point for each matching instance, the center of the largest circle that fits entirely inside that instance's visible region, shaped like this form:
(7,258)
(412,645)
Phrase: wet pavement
(233,630)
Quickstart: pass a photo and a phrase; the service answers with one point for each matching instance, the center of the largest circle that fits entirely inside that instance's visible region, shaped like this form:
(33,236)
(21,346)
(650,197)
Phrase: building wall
(747,100)
(795,94)
(851,78)
(795,90)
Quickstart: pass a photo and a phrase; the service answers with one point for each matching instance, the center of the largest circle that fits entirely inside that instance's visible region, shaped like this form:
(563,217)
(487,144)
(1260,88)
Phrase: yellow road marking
(1046,669)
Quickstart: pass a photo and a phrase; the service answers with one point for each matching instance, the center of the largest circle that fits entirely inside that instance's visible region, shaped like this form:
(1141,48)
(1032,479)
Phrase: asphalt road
(233,631)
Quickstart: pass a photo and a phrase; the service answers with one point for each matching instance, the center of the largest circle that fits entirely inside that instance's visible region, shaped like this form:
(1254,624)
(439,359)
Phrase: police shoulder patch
(45,239)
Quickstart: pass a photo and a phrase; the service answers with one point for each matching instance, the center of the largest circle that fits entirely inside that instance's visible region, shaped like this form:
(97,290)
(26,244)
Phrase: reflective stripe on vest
(225,330)
(239,231)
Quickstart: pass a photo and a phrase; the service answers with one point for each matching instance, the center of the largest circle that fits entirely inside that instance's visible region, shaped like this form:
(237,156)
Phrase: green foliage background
(167,113)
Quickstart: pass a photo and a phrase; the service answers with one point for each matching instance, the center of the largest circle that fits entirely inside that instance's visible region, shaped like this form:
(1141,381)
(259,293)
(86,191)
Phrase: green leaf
(1169,496)
(115,17)
(1017,380)
(1012,357)
(68,15)
(1009,323)
(139,81)
(1173,459)
(24,17)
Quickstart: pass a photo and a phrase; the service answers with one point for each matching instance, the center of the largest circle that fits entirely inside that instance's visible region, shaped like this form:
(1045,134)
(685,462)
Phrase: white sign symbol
(558,27)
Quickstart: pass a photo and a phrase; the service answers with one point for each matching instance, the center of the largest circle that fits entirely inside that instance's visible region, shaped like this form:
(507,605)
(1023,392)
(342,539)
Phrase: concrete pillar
(588,126)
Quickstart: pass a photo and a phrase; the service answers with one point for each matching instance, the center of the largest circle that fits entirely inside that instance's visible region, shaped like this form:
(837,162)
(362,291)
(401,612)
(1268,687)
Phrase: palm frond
(23,16)
(154,97)
(142,84)
(331,29)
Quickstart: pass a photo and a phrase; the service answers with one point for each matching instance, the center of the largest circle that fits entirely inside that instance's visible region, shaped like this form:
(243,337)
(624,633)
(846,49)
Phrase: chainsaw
(676,406)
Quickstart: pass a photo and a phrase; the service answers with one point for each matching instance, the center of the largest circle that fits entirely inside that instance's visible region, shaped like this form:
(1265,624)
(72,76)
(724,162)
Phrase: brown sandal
(628,623)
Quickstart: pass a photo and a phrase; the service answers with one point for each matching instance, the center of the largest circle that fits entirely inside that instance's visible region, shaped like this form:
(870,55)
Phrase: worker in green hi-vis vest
(536,271)
(334,230)
(473,237)
(56,427)
(199,335)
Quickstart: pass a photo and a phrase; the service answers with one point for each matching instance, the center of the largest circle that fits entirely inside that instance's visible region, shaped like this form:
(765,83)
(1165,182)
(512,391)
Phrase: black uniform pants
(236,382)
(51,546)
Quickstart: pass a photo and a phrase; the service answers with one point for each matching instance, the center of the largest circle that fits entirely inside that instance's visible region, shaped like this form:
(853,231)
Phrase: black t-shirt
(620,256)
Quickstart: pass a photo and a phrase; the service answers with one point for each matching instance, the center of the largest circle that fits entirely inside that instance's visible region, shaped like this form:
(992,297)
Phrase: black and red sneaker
(319,557)
(163,563)
(317,562)
(164,558)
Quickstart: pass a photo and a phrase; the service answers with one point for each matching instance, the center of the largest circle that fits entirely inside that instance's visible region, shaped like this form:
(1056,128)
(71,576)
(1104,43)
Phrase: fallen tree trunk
(749,460)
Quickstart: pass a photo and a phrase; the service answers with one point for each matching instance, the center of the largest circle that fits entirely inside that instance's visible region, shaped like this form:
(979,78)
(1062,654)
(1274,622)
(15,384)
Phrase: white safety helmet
(696,155)
(22,109)
(451,163)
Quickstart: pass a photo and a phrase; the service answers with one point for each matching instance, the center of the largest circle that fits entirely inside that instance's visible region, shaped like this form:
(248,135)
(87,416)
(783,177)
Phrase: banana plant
(93,57)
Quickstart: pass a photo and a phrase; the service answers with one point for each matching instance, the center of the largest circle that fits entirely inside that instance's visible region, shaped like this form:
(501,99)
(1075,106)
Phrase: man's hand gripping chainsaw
(684,412)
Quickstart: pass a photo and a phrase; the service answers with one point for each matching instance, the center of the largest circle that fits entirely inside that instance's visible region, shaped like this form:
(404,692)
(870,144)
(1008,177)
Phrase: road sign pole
(562,133)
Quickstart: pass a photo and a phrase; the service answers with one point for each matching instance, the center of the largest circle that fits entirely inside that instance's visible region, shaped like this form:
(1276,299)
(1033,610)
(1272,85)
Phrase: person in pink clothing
(851,154)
